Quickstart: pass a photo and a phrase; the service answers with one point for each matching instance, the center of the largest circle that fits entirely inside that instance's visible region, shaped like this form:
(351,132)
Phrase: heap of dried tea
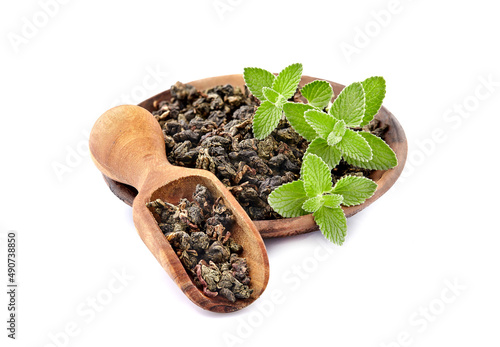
(199,232)
(212,130)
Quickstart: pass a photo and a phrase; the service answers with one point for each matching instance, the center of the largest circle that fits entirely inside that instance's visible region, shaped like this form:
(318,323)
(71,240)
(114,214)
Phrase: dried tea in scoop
(199,231)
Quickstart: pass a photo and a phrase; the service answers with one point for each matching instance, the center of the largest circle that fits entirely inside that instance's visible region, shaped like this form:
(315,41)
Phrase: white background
(436,226)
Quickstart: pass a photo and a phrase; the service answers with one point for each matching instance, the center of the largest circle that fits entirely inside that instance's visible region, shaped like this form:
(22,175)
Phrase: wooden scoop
(127,145)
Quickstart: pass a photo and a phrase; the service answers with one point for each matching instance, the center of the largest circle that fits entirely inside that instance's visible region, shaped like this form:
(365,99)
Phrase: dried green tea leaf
(199,232)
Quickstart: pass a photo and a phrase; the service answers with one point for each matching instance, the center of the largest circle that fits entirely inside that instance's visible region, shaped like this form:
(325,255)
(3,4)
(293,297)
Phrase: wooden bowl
(395,138)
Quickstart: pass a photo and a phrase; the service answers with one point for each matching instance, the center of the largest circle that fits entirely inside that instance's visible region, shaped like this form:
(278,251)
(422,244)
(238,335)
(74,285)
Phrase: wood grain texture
(395,137)
(127,145)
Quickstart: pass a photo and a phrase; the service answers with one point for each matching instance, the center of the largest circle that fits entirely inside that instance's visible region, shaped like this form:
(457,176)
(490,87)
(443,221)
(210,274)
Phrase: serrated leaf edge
(298,83)
(303,176)
(317,82)
(342,91)
(356,177)
(274,192)
(349,156)
(314,197)
(368,164)
(326,114)
(363,121)
(257,68)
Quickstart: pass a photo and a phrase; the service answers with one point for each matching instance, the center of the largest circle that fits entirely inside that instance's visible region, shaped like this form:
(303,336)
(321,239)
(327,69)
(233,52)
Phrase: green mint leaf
(355,190)
(321,122)
(384,157)
(337,133)
(355,146)
(350,105)
(273,96)
(333,200)
(265,120)
(316,176)
(288,199)
(288,80)
(318,93)
(256,79)
(281,102)
(270,94)
(333,139)
(330,155)
(332,223)
(294,112)
(313,204)
(374,88)
(339,128)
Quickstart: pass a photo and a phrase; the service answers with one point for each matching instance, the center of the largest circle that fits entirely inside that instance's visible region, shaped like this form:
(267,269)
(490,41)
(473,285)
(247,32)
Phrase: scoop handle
(126,144)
